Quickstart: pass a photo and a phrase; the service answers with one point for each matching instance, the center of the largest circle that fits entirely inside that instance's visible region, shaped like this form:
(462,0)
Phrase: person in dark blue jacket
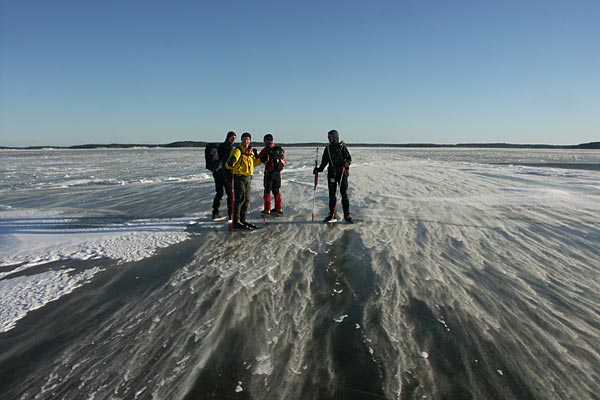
(223,177)
(337,158)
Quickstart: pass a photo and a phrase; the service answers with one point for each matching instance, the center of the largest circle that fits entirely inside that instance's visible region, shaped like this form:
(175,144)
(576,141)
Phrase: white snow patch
(33,237)
(341,318)
(30,237)
(264,366)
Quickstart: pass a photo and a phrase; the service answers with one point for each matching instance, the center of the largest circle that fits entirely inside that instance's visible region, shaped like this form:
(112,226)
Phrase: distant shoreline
(582,146)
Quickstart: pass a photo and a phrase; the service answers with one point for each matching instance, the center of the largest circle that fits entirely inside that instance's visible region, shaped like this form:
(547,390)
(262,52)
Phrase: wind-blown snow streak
(459,280)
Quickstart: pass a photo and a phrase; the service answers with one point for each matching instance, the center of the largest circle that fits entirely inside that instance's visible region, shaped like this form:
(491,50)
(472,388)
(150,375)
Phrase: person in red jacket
(273,157)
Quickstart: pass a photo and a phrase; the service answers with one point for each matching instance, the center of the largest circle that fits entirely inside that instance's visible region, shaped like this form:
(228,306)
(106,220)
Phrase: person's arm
(264,155)
(347,158)
(234,156)
(324,159)
(324,162)
(255,159)
(223,152)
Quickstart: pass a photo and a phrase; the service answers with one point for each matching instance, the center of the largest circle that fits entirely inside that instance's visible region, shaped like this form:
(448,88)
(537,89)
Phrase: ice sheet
(456,269)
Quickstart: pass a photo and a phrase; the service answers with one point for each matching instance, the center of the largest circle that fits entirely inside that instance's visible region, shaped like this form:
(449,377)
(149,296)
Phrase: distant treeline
(189,143)
(591,145)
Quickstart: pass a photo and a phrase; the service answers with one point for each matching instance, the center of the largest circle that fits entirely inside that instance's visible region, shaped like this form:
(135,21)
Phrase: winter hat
(246,134)
(335,135)
(268,136)
(230,134)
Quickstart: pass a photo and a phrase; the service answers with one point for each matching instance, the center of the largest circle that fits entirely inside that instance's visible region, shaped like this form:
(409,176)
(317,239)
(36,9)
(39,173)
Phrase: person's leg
(239,197)
(218,195)
(268,182)
(227,184)
(246,199)
(332,186)
(345,199)
(276,185)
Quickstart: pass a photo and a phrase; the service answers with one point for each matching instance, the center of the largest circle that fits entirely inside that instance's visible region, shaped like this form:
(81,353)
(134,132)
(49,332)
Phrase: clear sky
(422,71)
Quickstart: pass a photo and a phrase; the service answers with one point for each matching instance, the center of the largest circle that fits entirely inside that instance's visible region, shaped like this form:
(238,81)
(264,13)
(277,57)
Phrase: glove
(255,152)
(315,170)
(346,164)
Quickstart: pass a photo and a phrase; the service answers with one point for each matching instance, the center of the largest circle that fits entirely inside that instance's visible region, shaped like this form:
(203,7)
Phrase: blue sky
(74,72)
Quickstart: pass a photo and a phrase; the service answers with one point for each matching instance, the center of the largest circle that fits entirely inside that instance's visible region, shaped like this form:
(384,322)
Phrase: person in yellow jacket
(241,162)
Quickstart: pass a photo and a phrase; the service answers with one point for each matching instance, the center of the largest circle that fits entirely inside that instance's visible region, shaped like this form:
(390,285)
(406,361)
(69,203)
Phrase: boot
(250,225)
(346,207)
(240,225)
(216,204)
(331,215)
(267,206)
(332,206)
(278,206)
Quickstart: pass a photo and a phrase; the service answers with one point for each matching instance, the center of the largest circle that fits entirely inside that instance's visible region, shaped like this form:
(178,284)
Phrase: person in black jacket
(223,177)
(337,157)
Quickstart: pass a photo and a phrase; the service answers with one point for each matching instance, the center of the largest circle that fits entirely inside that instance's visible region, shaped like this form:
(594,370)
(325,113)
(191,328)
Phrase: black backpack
(277,154)
(211,154)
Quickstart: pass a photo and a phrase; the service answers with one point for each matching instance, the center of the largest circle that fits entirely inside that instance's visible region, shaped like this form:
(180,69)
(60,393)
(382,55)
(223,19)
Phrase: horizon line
(190,143)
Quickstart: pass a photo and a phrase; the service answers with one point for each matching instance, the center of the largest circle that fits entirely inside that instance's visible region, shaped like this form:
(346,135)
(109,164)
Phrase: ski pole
(316,181)
(232,201)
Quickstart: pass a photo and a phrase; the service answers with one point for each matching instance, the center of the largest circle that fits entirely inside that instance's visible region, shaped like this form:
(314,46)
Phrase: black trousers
(242,189)
(223,184)
(272,182)
(335,177)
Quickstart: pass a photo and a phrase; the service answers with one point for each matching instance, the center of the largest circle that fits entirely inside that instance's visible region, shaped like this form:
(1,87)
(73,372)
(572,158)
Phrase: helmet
(335,134)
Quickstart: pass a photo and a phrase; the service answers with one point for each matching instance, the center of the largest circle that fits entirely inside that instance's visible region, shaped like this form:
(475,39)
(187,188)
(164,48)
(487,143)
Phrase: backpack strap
(339,153)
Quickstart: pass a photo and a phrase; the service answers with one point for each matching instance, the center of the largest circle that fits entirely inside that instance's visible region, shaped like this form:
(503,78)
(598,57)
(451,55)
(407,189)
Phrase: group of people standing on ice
(235,167)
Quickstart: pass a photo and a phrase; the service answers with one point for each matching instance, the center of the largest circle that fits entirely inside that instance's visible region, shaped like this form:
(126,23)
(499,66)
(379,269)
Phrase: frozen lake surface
(470,274)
